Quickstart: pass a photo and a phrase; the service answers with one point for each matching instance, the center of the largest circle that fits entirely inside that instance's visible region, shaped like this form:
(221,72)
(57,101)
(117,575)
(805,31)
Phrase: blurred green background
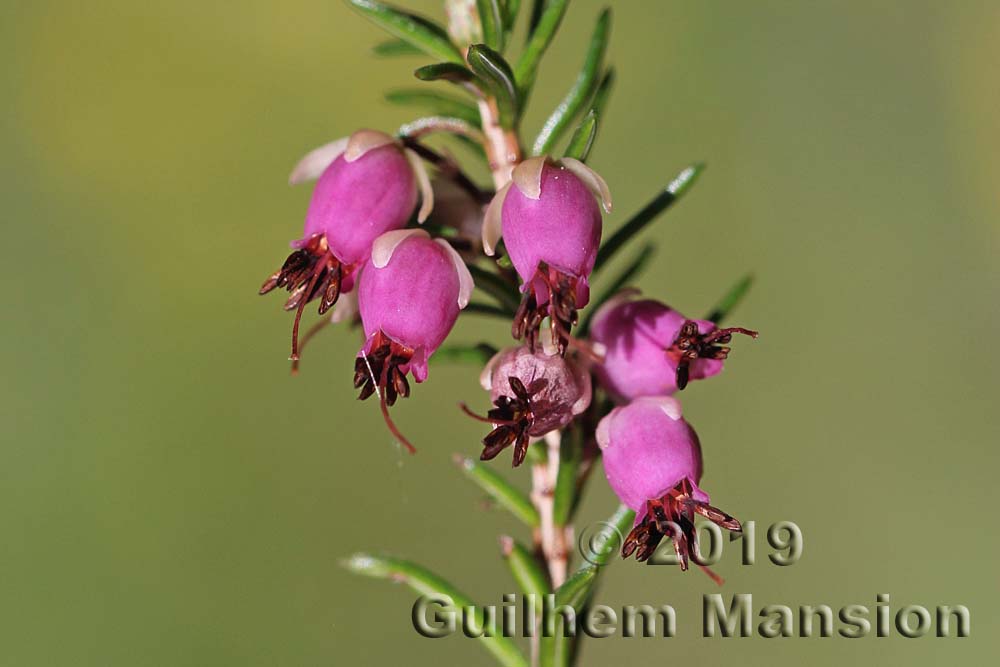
(170,496)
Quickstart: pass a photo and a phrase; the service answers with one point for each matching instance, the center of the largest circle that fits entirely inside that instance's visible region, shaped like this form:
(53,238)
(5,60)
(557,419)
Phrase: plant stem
(552,538)
(503,149)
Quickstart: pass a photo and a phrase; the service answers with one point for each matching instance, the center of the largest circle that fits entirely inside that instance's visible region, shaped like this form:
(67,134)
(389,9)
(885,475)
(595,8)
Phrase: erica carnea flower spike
(533,393)
(367,185)
(409,295)
(652,459)
(551,225)
(410,289)
(652,350)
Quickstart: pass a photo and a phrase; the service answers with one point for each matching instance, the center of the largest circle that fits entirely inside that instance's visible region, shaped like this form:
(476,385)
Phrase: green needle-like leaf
(492,21)
(674,191)
(424,582)
(541,36)
(583,138)
(479,353)
(512,9)
(564,495)
(499,489)
(491,67)
(445,72)
(454,126)
(489,282)
(586,133)
(574,590)
(621,280)
(731,299)
(396,47)
(582,90)
(604,89)
(537,8)
(577,588)
(525,569)
(422,33)
(605,544)
(439,103)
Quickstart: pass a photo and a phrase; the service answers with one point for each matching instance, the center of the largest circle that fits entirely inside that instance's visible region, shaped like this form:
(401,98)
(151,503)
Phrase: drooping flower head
(551,226)
(652,459)
(652,350)
(367,185)
(409,295)
(532,393)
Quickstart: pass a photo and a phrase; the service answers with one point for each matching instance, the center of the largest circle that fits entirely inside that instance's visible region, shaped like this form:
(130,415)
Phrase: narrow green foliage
(586,133)
(499,489)
(603,92)
(581,91)
(537,8)
(436,102)
(541,36)
(445,72)
(491,283)
(731,299)
(424,582)
(577,588)
(557,648)
(605,545)
(623,279)
(583,138)
(429,124)
(674,191)
(570,453)
(511,10)
(417,577)
(396,47)
(525,569)
(422,33)
(574,590)
(491,67)
(491,19)
(477,354)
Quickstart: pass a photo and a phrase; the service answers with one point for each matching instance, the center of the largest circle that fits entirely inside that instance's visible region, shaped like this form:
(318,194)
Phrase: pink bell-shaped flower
(367,185)
(652,460)
(409,295)
(551,226)
(532,393)
(650,349)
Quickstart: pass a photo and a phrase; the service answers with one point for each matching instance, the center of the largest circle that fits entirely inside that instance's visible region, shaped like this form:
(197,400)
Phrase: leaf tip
(360,562)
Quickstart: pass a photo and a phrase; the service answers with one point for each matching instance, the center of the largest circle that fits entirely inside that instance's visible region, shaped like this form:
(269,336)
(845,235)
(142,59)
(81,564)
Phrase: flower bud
(551,225)
(409,296)
(533,393)
(652,350)
(356,202)
(367,185)
(652,460)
